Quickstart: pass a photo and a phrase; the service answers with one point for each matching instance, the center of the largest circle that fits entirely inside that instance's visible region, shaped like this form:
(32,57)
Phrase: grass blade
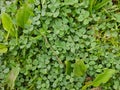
(91,4)
(100,5)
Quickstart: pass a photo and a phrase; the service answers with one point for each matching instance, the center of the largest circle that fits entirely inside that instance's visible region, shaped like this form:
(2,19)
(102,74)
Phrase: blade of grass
(91,4)
(100,5)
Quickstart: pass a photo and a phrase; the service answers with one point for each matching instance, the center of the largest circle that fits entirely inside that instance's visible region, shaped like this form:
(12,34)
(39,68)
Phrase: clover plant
(59,44)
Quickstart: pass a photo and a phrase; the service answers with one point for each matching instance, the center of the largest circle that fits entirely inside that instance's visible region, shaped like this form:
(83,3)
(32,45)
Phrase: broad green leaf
(23,15)
(7,22)
(68,67)
(3,48)
(12,77)
(101,78)
(79,68)
(101,4)
(104,77)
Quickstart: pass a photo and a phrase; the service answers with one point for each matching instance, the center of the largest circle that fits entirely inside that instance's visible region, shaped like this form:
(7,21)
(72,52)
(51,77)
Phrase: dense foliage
(59,44)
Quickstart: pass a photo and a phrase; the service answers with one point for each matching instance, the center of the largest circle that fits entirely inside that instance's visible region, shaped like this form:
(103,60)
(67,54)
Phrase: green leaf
(101,78)
(23,15)
(56,13)
(101,4)
(79,68)
(117,17)
(7,22)
(68,67)
(104,77)
(3,48)
(42,31)
(87,85)
(31,1)
(12,75)
(70,2)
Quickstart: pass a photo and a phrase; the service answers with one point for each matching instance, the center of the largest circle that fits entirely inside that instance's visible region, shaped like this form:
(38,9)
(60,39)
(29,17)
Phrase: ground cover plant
(59,44)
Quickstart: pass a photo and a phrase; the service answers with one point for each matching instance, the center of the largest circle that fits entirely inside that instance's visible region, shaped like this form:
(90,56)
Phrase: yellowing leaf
(12,77)
(23,15)
(3,48)
(104,77)
(79,68)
